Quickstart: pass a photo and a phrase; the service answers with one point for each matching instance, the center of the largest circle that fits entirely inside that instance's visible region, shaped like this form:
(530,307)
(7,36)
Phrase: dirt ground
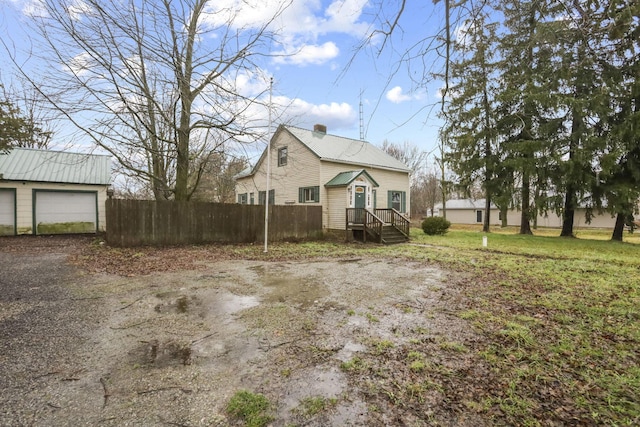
(172,347)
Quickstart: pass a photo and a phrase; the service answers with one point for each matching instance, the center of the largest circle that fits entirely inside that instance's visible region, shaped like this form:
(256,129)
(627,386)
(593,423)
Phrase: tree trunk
(525,227)
(504,213)
(618,229)
(487,208)
(568,214)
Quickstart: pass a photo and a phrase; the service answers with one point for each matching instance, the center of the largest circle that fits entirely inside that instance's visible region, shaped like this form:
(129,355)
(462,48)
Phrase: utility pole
(266,198)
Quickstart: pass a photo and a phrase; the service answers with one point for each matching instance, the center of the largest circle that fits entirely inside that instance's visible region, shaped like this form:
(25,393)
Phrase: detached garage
(7,211)
(52,192)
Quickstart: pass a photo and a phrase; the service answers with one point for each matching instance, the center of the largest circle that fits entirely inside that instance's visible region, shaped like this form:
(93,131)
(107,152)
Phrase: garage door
(7,212)
(62,212)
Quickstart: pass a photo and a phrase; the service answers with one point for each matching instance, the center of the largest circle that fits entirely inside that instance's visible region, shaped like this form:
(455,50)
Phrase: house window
(309,194)
(252,200)
(242,198)
(282,156)
(397,200)
(478,216)
(262,194)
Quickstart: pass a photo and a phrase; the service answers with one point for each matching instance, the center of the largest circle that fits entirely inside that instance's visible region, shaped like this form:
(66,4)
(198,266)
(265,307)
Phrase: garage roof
(27,164)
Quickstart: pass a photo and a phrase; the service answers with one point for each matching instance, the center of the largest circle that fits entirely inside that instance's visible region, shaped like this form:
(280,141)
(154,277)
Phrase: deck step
(391,235)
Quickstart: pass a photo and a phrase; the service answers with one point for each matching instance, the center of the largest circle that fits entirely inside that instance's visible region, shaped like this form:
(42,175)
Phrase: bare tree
(153,82)
(425,194)
(408,154)
(218,183)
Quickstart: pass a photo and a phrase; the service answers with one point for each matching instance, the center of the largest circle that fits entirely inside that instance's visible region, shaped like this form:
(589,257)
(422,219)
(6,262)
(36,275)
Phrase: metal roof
(346,178)
(346,150)
(26,164)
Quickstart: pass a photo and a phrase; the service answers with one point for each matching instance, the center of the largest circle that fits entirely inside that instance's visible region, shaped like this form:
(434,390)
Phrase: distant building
(470,211)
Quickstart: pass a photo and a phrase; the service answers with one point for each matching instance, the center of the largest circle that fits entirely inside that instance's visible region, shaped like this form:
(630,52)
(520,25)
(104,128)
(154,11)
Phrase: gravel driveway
(43,328)
(171,348)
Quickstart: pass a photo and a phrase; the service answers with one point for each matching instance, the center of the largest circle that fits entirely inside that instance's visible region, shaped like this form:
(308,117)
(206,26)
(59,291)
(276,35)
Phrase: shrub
(435,225)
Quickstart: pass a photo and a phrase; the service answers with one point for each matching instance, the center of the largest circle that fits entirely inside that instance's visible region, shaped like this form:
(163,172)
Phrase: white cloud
(300,18)
(251,83)
(396,96)
(80,64)
(299,26)
(308,54)
(335,115)
(31,8)
(298,112)
(37,8)
(77,9)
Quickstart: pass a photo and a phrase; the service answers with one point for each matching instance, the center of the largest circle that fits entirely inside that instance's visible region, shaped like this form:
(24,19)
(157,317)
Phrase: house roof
(337,149)
(465,204)
(346,150)
(346,178)
(26,164)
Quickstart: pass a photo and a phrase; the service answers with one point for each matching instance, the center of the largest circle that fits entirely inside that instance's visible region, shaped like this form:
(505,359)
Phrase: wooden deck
(385,226)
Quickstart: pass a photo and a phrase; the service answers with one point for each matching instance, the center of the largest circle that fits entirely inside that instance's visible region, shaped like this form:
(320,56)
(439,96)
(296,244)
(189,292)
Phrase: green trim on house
(262,196)
(316,194)
(15,210)
(345,178)
(40,190)
(403,200)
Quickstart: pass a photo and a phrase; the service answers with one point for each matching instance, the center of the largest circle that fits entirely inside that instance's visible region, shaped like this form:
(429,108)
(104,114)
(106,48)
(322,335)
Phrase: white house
(314,167)
(52,192)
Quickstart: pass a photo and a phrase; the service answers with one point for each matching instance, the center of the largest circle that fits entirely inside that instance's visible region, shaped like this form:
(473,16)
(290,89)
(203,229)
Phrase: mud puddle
(283,286)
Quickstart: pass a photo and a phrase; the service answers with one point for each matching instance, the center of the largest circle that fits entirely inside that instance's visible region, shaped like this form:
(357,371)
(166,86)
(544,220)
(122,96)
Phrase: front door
(360,202)
(361,197)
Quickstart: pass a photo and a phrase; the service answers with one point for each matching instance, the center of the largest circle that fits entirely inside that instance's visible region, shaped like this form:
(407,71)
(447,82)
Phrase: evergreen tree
(584,103)
(18,129)
(13,127)
(527,124)
(472,138)
(619,181)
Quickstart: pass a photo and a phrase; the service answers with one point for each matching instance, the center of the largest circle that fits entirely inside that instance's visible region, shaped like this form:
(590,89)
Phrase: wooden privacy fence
(145,222)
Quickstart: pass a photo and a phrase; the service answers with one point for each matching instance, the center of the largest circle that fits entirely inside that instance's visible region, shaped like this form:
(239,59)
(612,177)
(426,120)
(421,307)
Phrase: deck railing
(368,220)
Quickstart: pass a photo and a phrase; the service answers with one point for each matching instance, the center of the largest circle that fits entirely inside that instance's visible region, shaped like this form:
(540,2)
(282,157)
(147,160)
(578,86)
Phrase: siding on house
(388,181)
(302,170)
(334,211)
(599,220)
(24,200)
(468,216)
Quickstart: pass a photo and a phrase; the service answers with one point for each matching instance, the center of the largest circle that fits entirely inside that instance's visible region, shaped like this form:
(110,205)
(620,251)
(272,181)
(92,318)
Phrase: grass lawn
(559,320)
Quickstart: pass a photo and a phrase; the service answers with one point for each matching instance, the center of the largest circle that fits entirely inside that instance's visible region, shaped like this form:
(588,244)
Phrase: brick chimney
(320,128)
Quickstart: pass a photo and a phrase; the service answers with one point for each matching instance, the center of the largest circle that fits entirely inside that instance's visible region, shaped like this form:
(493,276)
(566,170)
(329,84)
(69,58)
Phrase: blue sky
(318,77)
